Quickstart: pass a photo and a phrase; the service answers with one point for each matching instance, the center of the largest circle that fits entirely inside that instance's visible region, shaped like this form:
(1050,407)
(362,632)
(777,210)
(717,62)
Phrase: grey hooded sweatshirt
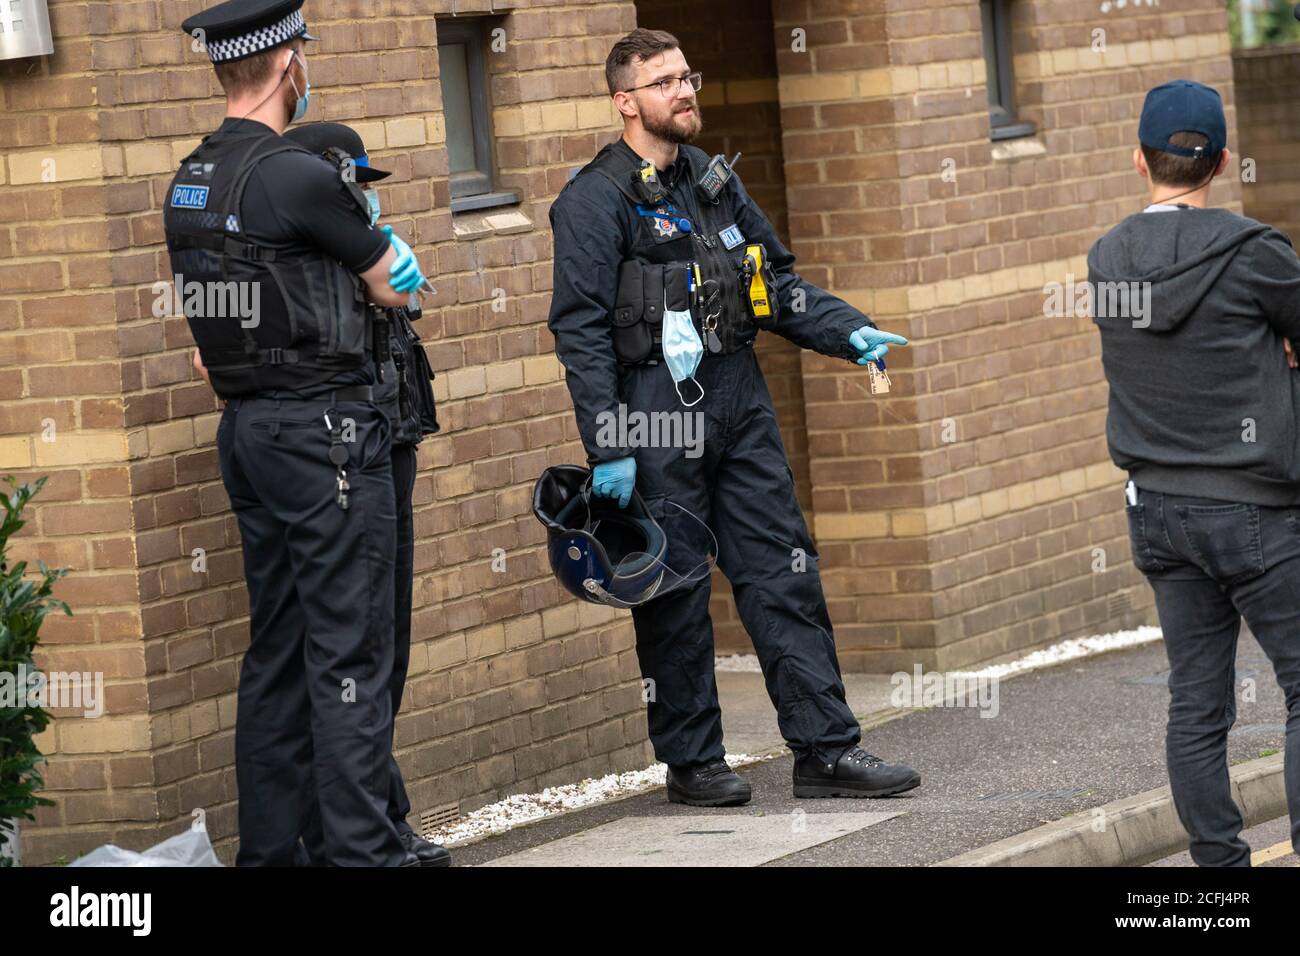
(1202,401)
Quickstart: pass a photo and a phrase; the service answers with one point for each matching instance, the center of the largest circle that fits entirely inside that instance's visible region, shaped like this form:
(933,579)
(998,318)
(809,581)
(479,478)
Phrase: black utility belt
(353,393)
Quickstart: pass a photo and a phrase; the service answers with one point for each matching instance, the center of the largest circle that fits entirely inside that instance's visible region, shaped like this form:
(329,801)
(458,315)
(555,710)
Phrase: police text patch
(190,197)
(731,237)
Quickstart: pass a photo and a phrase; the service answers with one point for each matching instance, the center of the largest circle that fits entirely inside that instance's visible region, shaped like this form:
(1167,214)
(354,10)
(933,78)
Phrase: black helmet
(610,555)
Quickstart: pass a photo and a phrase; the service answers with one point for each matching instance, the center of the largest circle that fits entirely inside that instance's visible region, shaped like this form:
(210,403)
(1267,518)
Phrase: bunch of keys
(338,456)
(879,378)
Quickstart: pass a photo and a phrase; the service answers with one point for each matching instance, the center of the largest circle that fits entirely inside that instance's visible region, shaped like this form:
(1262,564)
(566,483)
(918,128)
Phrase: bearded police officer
(665,270)
(403,389)
(305,452)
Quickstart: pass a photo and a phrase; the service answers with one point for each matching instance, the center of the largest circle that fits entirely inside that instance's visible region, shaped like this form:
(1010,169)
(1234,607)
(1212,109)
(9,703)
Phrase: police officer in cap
(305,451)
(403,389)
(665,270)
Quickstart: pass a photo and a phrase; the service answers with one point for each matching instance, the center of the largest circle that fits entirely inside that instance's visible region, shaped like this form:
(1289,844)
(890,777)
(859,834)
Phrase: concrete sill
(480,225)
(1012,149)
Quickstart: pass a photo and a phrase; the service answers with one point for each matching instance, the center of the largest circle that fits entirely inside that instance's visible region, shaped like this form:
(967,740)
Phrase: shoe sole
(817,790)
(733,800)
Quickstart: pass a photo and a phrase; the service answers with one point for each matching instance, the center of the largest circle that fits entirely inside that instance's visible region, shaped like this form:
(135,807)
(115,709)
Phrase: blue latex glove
(872,344)
(404,274)
(615,479)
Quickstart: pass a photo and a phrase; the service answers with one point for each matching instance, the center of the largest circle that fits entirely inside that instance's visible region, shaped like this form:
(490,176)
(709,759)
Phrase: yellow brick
(485,641)
(1026,66)
(446,652)
(847,527)
(557,621)
(890,302)
(559,116)
(408,131)
(908,524)
(818,88)
(56,165)
(181,149)
(1138,52)
(103,735)
(1163,51)
(1020,496)
(594,113)
(80,448)
(962,72)
(939,518)
(1207,44)
(146,159)
(966,510)
(372,134)
(522,631)
(753,91)
(949,292)
(901,79)
(864,300)
(1073,482)
(933,76)
(1102,474)
(453,482)
(994,503)
(1185,48)
(1031,277)
(508,121)
(713,94)
(15,452)
(435,128)
(1004,282)
(1065,61)
(171,437)
(921,298)
(1047,489)
(505,375)
(976,287)
(532,118)
(541,369)
(464,382)
(4,174)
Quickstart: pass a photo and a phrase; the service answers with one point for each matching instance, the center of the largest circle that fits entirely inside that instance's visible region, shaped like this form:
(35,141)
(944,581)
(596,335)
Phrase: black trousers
(404,456)
(1211,563)
(740,484)
(314,720)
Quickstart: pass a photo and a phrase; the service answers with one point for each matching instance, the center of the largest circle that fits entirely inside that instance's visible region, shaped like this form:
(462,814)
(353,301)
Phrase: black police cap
(318,137)
(242,28)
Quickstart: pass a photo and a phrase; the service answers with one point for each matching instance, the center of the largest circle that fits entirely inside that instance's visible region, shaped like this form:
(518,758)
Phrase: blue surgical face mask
(683,351)
(304,98)
(372,197)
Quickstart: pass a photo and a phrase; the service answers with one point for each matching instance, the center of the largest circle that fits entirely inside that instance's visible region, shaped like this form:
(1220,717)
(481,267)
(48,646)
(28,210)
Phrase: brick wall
(512,687)
(1267,80)
(955,551)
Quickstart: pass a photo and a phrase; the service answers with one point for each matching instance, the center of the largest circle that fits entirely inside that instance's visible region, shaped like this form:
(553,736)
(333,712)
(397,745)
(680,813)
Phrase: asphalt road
(1064,740)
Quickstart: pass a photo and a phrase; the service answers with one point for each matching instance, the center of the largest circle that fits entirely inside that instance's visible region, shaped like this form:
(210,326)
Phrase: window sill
(1013,149)
(484,201)
(478,225)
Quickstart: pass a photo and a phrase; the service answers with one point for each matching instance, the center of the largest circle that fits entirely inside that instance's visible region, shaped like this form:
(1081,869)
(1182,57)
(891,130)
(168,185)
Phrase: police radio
(716,176)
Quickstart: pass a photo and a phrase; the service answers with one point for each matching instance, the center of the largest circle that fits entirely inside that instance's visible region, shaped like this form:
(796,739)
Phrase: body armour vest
(687,252)
(264,317)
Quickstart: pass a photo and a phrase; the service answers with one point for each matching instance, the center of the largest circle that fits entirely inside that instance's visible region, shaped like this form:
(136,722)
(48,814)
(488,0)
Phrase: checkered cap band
(263,38)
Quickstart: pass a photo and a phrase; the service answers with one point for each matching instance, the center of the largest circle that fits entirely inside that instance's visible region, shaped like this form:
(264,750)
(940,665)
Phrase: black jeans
(1211,563)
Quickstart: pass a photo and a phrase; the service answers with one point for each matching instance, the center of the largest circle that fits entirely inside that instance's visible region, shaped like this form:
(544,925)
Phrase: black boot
(428,854)
(855,774)
(707,785)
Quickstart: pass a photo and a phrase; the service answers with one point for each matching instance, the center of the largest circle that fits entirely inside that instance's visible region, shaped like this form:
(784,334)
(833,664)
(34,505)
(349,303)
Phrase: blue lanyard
(681,221)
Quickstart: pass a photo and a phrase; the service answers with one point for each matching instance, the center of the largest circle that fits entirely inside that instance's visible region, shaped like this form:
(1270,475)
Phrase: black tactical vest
(404,377)
(310,316)
(672,239)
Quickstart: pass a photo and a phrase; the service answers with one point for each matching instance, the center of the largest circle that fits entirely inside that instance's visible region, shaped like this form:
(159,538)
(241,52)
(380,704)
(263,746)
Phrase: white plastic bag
(191,848)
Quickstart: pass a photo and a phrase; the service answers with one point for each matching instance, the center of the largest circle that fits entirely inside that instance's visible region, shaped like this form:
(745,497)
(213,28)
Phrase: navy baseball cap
(1183,106)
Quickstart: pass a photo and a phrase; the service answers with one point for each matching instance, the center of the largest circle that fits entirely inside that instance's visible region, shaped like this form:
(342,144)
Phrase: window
(996,16)
(467,112)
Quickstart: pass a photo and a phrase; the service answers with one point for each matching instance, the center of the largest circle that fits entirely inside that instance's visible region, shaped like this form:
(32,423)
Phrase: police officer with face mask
(403,389)
(277,263)
(665,270)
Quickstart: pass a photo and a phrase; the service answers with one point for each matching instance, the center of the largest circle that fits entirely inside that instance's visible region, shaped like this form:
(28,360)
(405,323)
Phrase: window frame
(474,189)
(995,25)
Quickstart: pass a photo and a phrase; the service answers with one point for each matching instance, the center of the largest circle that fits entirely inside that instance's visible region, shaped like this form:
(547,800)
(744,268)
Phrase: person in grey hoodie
(1196,308)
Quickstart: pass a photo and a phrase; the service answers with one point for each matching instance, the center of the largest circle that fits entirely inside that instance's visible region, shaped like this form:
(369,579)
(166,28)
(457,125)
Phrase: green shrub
(24,603)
